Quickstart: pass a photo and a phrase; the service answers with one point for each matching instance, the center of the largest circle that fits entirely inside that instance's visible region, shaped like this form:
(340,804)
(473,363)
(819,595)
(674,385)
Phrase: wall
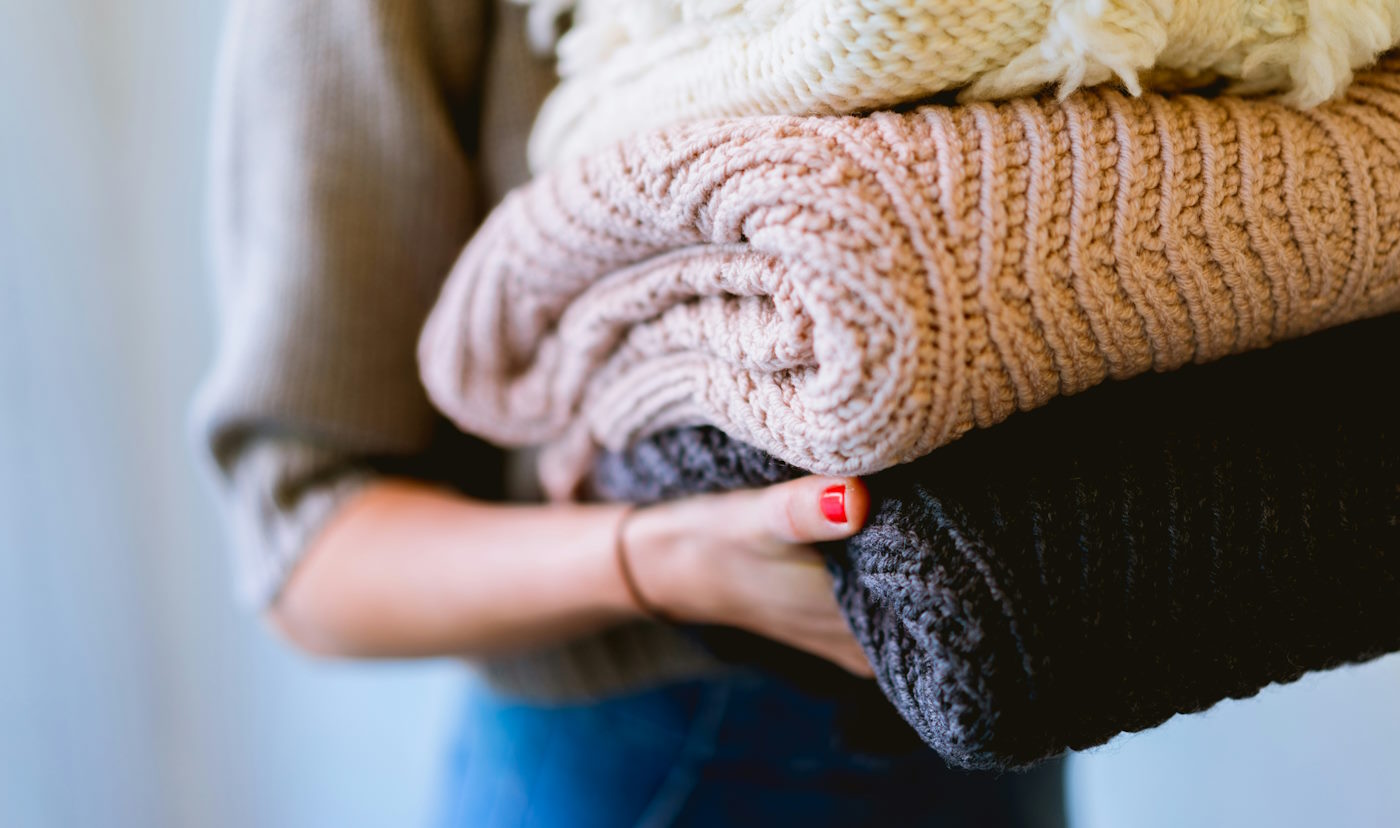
(1322,751)
(132,691)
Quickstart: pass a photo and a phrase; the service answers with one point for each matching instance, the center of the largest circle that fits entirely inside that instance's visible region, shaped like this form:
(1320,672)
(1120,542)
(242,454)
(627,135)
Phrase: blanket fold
(848,294)
(1145,549)
(631,65)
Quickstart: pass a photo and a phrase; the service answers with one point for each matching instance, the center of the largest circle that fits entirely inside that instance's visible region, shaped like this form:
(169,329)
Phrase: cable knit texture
(848,294)
(1146,549)
(630,65)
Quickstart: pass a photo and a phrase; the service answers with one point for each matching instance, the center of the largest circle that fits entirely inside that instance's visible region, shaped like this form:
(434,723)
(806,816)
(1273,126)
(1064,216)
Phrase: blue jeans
(739,751)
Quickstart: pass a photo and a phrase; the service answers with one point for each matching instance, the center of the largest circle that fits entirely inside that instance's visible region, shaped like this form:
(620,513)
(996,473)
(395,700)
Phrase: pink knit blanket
(850,293)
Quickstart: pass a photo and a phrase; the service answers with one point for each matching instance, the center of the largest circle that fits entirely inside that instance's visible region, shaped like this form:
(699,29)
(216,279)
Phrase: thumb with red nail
(745,559)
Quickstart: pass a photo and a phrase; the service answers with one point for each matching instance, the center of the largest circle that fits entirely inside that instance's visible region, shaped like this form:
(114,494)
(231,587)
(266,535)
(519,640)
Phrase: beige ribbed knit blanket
(851,293)
(630,65)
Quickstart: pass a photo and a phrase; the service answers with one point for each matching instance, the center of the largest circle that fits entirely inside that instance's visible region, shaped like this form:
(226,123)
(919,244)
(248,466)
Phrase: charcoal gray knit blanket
(1144,549)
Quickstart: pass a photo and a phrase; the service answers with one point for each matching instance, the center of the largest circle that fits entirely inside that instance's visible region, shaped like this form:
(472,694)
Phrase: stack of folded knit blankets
(982,253)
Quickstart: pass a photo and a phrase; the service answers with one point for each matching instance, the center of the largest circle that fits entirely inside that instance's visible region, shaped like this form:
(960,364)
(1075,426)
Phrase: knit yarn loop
(630,65)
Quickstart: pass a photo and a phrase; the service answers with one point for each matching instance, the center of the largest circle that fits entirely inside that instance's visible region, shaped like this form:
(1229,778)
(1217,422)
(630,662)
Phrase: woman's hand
(407,570)
(743,559)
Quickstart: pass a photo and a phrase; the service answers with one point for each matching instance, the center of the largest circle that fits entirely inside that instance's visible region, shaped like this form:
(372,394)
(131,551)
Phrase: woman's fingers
(810,509)
(744,559)
(833,640)
(801,512)
(835,643)
(821,627)
(848,655)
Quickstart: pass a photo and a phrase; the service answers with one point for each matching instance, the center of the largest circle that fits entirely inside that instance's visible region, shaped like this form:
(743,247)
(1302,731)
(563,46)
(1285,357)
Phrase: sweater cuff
(276,495)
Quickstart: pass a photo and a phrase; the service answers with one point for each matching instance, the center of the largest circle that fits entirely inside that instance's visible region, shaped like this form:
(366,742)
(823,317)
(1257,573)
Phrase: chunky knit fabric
(848,294)
(630,65)
(1146,549)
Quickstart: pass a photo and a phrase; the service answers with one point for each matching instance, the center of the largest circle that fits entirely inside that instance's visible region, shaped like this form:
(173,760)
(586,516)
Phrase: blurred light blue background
(134,693)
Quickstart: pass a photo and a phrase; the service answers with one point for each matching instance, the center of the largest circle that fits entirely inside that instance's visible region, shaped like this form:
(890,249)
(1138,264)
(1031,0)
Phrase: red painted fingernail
(834,503)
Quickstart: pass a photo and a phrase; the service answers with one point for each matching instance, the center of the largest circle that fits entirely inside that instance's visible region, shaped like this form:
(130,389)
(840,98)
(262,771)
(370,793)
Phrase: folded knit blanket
(630,65)
(848,294)
(1146,549)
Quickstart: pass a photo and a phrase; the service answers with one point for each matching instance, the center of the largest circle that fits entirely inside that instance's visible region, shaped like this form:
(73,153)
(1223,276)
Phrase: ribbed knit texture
(848,294)
(1146,549)
(630,65)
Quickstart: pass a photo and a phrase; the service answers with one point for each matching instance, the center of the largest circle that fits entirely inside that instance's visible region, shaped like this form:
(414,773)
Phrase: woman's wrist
(663,568)
(623,554)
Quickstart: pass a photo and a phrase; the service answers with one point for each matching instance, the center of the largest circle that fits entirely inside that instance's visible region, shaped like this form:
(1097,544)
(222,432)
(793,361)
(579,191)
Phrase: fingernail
(834,503)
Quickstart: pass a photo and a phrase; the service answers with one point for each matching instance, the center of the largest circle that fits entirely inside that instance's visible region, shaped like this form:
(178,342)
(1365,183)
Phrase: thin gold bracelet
(624,566)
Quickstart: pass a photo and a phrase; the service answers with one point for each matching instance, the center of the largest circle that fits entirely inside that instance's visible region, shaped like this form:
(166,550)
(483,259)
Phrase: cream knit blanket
(851,293)
(630,65)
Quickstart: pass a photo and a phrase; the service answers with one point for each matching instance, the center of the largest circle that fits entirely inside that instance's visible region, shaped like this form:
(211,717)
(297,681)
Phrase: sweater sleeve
(342,189)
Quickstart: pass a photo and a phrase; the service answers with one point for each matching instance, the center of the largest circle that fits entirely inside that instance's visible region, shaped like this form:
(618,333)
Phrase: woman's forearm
(408,570)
